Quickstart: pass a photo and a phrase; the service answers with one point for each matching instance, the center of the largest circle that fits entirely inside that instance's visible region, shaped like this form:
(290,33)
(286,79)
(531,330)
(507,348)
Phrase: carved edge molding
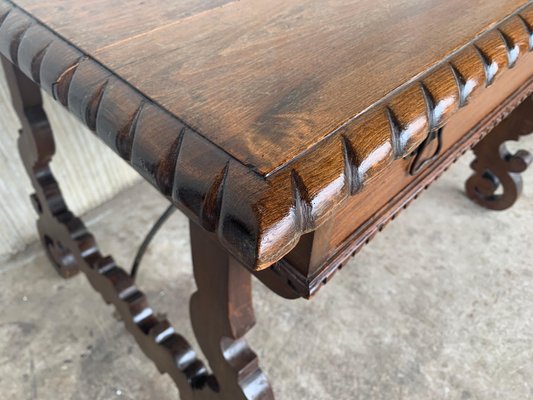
(221,308)
(185,167)
(257,219)
(405,198)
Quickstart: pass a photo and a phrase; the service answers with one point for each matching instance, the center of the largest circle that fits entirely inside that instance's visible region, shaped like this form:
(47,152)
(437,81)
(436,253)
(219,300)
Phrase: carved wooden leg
(221,308)
(36,145)
(496,167)
(222,313)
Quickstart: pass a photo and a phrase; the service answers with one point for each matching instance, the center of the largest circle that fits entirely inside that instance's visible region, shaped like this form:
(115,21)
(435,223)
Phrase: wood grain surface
(318,255)
(260,119)
(266,80)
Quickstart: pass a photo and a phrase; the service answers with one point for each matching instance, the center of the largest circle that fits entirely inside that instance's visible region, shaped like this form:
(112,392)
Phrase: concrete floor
(438,306)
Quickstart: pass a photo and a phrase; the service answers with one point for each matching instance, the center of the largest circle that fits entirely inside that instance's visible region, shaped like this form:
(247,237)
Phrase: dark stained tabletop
(258,118)
(265,80)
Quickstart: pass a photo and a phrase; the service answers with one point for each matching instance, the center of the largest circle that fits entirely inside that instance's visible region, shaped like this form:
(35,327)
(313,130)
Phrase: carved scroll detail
(259,219)
(221,338)
(366,232)
(496,167)
(72,248)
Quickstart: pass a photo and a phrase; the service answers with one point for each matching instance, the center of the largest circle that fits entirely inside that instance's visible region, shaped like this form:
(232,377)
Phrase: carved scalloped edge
(257,219)
(404,199)
(181,163)
(72,248)
(154,334)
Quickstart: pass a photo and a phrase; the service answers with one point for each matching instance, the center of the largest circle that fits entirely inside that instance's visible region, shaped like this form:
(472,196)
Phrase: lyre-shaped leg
(221,308)
(36,146)
(222,313)
(495,167)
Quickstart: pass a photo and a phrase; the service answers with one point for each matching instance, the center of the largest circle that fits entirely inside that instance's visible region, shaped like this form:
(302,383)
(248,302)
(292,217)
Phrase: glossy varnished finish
(319,255)
(289,132)
(221,308)
(256,77)
(206,106)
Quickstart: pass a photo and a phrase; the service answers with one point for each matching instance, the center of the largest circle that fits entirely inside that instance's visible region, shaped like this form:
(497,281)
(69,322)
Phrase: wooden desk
(289,132)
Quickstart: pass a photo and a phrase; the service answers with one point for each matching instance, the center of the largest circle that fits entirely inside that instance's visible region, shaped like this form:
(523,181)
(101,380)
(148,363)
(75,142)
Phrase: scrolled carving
(497,183)
(422,181)
(259,218)
(72,248)
(222,338)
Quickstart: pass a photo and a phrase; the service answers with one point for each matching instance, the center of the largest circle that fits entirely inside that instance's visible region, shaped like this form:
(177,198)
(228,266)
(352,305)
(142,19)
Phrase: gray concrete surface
(438,306)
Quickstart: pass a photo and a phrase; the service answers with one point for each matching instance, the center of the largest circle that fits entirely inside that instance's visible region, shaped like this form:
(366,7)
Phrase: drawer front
(322,252)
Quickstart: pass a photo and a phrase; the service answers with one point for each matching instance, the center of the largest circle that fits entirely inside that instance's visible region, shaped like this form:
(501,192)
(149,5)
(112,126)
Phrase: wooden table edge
(309,286)
(260,219)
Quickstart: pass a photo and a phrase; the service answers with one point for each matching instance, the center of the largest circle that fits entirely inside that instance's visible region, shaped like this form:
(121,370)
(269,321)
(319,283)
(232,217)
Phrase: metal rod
(148,239)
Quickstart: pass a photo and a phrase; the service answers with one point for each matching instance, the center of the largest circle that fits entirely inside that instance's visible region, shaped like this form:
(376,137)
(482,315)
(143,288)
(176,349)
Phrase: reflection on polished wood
(289,132)
(205,104)
(221,308)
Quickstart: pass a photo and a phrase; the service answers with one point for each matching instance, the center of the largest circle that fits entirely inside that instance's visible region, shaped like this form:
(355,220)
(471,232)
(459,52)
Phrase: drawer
(320,253)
